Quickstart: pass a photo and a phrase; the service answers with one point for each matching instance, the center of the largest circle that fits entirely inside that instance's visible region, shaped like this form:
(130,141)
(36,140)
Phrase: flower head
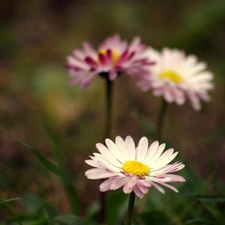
(112,57)
(134,168)
(176,77)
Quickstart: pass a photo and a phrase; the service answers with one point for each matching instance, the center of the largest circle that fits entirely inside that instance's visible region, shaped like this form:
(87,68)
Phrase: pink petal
(118,183)
(86,81)
(91,62)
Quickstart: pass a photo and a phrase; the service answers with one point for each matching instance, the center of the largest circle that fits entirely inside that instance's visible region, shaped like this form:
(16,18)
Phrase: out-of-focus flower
(134,168)
(112,57)
(176,77)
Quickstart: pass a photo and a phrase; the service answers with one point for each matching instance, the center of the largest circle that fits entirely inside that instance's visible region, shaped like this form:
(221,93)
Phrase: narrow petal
(127,189)
(142,149)
(118,183)
(164,159)
(151,151)
(108,155)
(157,154)
(105,185)
(158,187)
(122,147)
(169,186)
(138,192)
(130,147)
(114,149)
(132,182)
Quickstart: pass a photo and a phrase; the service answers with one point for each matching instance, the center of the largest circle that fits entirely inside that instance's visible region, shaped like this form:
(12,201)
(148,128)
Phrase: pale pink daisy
(135,169)
(112,57)
(177,76)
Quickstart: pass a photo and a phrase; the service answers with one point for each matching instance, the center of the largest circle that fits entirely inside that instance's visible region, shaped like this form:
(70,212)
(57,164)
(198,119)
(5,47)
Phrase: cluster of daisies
(170,74)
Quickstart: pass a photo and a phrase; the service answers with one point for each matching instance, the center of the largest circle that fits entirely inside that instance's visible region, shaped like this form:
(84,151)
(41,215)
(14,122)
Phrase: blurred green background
(35,38)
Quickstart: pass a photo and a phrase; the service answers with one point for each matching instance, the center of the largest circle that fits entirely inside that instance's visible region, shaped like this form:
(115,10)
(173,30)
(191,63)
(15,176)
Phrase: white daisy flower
(177,76)
(135,169)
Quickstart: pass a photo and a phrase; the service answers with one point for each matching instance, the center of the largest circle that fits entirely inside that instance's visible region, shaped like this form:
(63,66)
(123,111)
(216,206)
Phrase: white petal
(157,154)
(107,165)
(98,174)
(142,149)
(115,151)
(108,155)
(151,151)
(122,147)
(93,163)
(164,159)
(130,147)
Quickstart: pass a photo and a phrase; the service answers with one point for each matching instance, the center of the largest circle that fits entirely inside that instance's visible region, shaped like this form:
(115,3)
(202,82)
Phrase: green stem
(107,134)
(12,213)
(130,208)
(108,124)
(161,118)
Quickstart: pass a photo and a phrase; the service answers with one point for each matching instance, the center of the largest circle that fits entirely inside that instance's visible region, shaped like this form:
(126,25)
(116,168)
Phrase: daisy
(112,57)
(135,169)
(177,76)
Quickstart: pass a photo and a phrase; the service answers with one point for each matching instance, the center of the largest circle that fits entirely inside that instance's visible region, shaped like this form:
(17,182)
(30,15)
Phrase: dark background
(36,37)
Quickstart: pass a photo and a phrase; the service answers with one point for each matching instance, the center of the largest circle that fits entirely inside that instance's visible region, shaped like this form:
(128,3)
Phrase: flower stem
(108,123)
(107,134)
(161,118)
(130,208)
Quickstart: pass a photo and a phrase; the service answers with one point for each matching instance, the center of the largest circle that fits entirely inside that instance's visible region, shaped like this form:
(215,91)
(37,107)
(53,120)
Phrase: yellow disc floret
(115,55)
(136,168)
(173,76)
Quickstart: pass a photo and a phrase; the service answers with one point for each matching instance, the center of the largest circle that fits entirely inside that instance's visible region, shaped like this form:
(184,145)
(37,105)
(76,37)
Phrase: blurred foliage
(35,38)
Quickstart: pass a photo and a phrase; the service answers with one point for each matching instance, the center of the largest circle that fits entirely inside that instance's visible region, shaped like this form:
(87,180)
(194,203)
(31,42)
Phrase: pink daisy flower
(135,169)
(176,77)
(112,57)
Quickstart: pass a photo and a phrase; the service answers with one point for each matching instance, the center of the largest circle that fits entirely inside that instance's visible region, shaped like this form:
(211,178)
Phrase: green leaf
(58,170)
(54,143)
(68,220)
(9,200)
(195,220)
(49,165)
(209,198)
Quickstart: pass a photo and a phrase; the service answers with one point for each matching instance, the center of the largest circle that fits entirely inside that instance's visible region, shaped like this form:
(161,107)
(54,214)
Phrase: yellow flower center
(115,55)
(136,168)
(173,76)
